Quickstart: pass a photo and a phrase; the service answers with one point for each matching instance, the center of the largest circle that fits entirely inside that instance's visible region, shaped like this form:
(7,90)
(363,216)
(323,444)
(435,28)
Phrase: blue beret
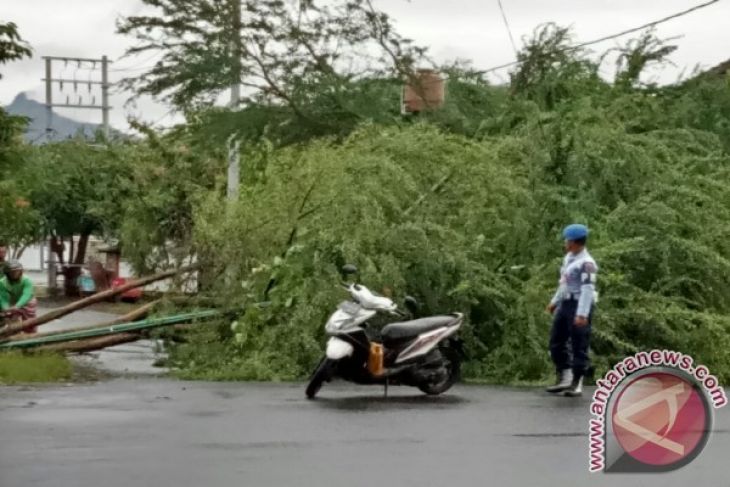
(575,231)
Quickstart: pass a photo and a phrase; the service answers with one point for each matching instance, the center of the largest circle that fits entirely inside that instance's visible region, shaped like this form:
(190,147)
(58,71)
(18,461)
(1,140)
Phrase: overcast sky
(466,29)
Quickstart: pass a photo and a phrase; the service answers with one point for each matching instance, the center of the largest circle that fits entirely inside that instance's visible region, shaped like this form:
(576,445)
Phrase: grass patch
(19,368)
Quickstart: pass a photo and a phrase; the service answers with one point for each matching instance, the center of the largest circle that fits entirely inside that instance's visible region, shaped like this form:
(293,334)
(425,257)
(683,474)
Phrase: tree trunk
(72,271)
(71,275)
(57,247)
(16,328)
(81,250)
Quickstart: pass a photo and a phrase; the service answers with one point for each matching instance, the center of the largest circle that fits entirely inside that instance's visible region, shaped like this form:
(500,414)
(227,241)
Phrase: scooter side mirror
(348,270)
(411,304)
(349,273)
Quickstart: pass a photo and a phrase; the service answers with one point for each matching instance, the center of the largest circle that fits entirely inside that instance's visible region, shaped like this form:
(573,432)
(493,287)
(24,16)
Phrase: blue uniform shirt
(577,281)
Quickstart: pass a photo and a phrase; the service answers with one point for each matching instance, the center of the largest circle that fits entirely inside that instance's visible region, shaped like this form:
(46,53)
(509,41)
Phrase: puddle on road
(136,358)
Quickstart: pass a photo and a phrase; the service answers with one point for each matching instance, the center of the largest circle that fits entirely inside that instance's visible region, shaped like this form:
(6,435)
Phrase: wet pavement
(161,432)
(135,358)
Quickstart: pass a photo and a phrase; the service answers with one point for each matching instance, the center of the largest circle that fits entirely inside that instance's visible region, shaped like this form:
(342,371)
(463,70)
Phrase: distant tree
(274,49)
(20,223)
(77,191)
(638,54)
(551,69)
(12,46)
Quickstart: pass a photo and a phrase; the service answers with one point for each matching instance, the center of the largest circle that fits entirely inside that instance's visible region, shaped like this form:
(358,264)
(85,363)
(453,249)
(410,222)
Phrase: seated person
(86,283)
(16,294)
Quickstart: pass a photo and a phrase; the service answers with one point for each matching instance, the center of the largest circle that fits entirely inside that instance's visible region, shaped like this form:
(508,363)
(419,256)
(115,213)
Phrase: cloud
(471,29)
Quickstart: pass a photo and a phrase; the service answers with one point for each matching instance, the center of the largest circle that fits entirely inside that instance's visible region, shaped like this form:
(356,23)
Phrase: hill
(61,127)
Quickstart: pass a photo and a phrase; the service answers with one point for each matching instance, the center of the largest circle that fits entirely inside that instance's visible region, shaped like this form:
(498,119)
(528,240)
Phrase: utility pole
(234,175)
(234,145)
(49,99)
(236,53)
(105,95)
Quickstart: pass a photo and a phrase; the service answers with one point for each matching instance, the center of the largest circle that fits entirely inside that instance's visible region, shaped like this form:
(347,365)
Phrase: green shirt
(16,294)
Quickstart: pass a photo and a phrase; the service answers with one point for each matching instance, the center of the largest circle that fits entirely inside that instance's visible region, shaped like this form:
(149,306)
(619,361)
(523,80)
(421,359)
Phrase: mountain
(61,127)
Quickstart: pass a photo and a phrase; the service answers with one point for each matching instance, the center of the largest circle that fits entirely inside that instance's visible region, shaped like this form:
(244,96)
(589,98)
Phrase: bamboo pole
(16,328)
(135,326)
(91,344)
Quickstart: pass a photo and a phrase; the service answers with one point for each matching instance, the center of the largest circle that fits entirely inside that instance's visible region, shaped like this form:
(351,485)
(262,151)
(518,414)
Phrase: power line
(167,114)
(612,36)
(506,24)
(140,65)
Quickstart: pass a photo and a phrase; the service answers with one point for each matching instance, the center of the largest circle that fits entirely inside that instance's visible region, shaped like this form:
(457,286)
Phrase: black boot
(565,378)
(576,387)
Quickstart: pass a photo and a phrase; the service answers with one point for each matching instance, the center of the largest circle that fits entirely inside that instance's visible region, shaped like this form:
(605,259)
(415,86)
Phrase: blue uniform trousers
(569,344)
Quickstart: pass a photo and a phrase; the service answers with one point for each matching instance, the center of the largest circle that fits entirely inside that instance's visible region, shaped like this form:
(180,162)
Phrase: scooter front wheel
(322,373)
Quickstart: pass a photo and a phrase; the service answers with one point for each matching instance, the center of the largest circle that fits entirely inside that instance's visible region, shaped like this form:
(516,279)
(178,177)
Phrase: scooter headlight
(337,321)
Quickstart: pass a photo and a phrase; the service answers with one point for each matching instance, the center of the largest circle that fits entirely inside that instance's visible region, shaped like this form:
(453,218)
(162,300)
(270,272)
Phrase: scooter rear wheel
(322,373)
(452,363)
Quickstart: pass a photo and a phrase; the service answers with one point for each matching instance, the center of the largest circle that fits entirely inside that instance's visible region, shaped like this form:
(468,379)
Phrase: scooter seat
(405,329)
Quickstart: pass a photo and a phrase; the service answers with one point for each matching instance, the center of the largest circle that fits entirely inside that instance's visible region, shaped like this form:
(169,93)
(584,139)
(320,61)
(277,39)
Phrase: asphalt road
(160,432)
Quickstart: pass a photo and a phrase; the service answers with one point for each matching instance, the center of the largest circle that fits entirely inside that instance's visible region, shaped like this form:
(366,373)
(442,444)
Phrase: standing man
(16,294)
(572,308)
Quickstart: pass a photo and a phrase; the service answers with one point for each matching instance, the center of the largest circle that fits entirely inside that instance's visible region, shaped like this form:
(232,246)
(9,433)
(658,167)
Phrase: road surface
(161,432)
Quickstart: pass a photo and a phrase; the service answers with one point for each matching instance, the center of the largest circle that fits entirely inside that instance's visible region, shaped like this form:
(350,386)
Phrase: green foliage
(18,368)
(12,46)
(460,207)
(463,210)
(69,183)
(637,55)
(165,177)
(551,70)
(483,244)
(21,223)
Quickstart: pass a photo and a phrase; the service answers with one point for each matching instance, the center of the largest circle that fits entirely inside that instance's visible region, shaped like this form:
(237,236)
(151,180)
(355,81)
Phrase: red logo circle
(661,418)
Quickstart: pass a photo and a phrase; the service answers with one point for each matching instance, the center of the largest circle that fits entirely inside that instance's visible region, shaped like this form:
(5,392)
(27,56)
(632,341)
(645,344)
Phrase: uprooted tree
(646,167)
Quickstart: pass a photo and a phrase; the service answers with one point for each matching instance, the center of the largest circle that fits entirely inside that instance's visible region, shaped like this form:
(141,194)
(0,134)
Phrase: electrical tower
(80,101)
